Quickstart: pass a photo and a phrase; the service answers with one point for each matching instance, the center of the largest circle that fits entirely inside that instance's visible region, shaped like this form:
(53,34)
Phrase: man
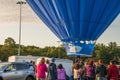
(101,70)
(52,71)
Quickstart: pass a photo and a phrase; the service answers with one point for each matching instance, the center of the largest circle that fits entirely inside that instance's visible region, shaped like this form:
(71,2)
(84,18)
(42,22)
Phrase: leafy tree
(8,49)
(10,42)
(101,51)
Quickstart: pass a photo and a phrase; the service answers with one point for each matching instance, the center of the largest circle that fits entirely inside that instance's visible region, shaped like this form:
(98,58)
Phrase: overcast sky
(34,32)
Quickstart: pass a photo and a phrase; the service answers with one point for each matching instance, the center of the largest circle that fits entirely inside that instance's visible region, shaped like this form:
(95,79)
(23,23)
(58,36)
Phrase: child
(61,74)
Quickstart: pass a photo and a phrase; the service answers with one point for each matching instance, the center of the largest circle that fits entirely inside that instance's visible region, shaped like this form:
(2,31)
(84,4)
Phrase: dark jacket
(52,71)
(101,71)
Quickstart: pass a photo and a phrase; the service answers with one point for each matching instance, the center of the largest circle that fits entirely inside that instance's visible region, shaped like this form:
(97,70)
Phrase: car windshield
(3,65)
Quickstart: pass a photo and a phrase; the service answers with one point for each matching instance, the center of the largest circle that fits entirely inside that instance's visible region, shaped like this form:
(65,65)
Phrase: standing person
(76,62)
(47,63)
(61,73)
(77,72)
(41,69)
(34,65)
(119,72)
(90,70)
(113,71)
(52,73)
(84,70)
(82,67)
(101,71)
(96,65)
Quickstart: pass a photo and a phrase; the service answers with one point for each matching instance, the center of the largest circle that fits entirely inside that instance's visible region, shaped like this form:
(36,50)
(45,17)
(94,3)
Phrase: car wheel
(30,78)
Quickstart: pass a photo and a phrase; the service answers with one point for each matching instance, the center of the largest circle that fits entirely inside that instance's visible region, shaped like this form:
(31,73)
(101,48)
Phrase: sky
(34,31)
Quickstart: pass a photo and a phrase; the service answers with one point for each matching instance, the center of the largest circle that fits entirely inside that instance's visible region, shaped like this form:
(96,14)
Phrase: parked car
(16,71)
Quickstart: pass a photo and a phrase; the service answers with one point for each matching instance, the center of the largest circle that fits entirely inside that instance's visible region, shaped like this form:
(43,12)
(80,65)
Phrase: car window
(11,67)
(21,66)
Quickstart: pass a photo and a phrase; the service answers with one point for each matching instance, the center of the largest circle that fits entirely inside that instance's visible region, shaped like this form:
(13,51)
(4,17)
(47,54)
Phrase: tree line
(101,51)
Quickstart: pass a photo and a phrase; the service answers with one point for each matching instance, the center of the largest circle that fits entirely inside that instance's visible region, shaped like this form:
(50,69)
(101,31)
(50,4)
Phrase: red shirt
(113,72)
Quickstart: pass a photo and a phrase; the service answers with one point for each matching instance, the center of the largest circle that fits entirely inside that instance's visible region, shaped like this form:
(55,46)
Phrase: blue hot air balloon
(77,23)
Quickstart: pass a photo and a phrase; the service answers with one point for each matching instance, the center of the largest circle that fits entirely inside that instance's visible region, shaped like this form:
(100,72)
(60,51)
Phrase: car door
(21,71)
(9,73)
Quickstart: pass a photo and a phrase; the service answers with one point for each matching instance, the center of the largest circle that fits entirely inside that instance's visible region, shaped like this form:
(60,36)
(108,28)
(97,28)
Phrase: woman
(90,70)
(77,71)
(61,74)
(113,71)
(41,70)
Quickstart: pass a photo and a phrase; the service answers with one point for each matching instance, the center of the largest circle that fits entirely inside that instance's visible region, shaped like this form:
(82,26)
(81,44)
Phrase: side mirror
(7,70)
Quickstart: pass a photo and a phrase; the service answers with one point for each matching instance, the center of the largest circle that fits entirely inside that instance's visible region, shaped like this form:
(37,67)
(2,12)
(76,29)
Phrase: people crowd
(89,70)
(49,71)
(92,70)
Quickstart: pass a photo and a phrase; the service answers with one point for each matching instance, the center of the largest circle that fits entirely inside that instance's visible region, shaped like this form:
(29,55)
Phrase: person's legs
(37,79)
(103,78)
(42,79)
(99,78)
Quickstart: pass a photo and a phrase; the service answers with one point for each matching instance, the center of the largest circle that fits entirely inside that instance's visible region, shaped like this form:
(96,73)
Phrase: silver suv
(16,71)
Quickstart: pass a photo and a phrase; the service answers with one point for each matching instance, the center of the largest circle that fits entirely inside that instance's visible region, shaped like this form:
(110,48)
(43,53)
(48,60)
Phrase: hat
(53,59)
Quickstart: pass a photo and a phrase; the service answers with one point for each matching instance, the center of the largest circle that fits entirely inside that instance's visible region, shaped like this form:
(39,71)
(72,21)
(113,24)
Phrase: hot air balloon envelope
(78,23)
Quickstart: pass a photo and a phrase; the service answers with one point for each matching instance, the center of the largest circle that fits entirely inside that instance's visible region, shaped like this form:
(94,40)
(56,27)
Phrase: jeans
(102,78)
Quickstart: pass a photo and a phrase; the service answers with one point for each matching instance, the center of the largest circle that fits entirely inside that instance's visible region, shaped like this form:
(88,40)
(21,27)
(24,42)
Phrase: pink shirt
(41,69)
(77,73)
